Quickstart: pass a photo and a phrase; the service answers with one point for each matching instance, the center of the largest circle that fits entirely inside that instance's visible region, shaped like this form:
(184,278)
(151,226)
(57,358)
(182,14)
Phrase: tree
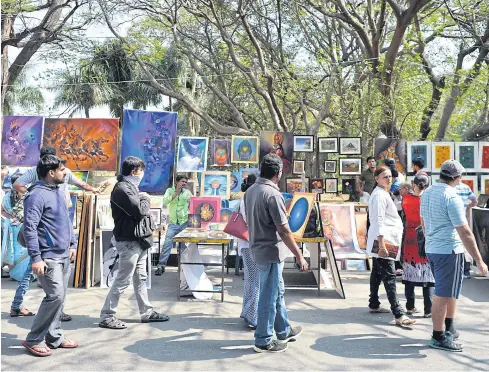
(23,95)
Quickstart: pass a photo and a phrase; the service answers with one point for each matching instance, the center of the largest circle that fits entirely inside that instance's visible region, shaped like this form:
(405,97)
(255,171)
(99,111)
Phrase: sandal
(34,350)
(68,344)
(65,317)
(379,310)
(112,323)
(404,321)
(21,312)
(155,317)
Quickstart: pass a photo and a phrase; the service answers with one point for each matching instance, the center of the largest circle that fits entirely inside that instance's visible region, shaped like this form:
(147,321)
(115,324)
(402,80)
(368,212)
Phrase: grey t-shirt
(30,176)
(265,208)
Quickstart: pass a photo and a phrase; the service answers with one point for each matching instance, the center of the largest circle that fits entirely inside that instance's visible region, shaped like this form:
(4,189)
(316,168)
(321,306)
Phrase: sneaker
(454,335)
(412,311)
(292,336)
(427,315)
(160,270)
(446,343)
(273,347)
(467,276)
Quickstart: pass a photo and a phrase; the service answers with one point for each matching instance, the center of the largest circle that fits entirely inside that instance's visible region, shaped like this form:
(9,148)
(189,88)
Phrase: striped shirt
(442,210)
(465,192)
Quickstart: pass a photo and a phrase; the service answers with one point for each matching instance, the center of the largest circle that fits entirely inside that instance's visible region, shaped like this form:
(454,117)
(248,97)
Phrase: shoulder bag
(237,226)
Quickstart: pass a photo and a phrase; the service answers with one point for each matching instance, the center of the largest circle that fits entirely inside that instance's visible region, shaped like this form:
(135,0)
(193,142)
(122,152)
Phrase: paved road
(338,334)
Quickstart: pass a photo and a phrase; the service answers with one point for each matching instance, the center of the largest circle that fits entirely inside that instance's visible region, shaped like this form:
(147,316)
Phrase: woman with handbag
(416,268)
(251,291)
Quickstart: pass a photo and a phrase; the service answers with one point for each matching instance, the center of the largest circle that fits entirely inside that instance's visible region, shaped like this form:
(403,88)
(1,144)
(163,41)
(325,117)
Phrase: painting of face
(220,152)
(244,149)
(279,143)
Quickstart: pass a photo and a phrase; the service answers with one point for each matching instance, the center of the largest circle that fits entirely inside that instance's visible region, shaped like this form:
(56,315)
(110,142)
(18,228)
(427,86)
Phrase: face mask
(135,179)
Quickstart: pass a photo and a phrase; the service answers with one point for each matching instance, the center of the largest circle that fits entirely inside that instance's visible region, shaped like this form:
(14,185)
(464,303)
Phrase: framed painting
(304,143)
(246,171)
(466,153)
(350,166)
(281,144)
(288,200)
(216,184)
(391,148)
(419,149)
(80,175)
(21,140)
(226,214)
(207,207)
(316,185)
(293,185)
(350,145)
(220,152)
(85,144)
(485,184)
(441,152)
(104,212)
(348,186)
(192,154)
(327,144)
(471,181)
(244,149)
(331,185)
(330,166)
(235,181)
(155,214)
(356,265)
(299,166)
(361,225)
(484,157)
(299,212)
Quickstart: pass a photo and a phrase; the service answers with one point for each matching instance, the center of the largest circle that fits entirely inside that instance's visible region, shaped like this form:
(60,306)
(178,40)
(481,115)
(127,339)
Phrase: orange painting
(485,157)
(442,154)
(85,144)
(361,222)
(470,183)
(486,186)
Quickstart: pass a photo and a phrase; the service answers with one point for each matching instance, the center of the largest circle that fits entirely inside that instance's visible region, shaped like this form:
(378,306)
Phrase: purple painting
(21,140)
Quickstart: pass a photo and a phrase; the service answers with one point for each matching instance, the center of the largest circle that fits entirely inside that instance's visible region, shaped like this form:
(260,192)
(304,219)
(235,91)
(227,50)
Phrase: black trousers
(428,293)
(384,270)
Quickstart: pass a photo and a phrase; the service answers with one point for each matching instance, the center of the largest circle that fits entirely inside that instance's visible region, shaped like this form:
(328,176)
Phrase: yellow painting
(442,154)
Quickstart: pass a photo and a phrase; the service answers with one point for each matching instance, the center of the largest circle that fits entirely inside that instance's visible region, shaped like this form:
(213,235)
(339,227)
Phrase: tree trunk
(87,112)
(7,25)
(430,109)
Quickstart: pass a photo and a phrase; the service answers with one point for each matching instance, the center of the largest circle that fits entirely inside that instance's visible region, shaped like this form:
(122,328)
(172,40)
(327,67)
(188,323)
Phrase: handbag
(237,227)
(421,241)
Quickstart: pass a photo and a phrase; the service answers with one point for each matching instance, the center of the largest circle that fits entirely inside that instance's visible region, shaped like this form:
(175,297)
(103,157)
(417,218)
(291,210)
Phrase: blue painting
(192,154)
(419,151)
(151,136)
(235,181)
(245,149)
(246,171)
(216,184)
(21,140)
(466,156)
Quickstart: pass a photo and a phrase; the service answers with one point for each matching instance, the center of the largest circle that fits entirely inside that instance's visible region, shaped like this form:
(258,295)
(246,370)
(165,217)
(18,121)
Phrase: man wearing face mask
(129,207)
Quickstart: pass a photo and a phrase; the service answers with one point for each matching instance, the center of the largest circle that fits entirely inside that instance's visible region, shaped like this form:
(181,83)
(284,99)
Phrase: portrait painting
(391,148)
(216,184)
(338,223)
(299,212)
(220,151)
(483,156)
(207,207)
(80,175)
(330,166)
(327,144)
(21,140)
(466,153)
(299,166)
(295,185)
(350,146)
(244,149)
(441,152)
(351,166)
(420,149)
(151,136)
(316,185)
(331,185)
(281,144)
(192,154)
(303,143)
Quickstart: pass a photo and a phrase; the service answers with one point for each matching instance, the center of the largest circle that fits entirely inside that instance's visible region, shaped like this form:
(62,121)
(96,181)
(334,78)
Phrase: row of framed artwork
(320,185)
(471,181)
(348,166)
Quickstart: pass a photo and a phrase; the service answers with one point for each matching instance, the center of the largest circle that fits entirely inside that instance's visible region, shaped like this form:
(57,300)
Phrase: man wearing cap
(447,232)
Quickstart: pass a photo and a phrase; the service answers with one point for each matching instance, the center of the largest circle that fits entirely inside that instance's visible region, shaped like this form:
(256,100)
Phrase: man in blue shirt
(447,232)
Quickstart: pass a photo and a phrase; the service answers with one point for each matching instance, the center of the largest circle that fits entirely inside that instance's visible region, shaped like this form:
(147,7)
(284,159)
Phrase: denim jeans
(383,270)
(173,230)
(22,287)
(272,313)
(428,293)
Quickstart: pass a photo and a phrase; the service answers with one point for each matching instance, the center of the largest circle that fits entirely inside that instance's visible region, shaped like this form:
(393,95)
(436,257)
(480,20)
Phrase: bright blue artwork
(236,182)
(192,154)
(466,155)
(151,136)
(298,214)
(215,184)
(419,151)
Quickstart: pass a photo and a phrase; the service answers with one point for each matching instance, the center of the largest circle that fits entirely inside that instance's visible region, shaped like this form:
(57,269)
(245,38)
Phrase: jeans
(383,270)
(272,313)
(22,288)
(173,230)
(428,293)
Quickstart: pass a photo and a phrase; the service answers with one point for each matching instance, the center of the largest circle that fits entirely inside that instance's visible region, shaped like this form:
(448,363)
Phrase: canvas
(7,182)
(85,144)
(82,176)
(327,144)
(299,166)
(330,166)
(194,221)
(441,152)
(151,136)
(287,199)
(246,171)
(21,140)
(483,156)
(226,214)
(220,152)
(244,149)
(303,143)
(350,146)
(279,143)
(352,166)
(391,148)
(348,186)
(192,154)
(361,223)
(357,265)
(104,212)
(293,185)
(208,208)
(331,185)
(216,184)
(485,184)
(316,185)
(235,181)
(466,153)
(471,181)
(299,212)
(421,150)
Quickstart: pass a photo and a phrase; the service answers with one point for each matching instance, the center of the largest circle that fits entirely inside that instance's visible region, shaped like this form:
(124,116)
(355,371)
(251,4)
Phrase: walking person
(49,238)
(270,236)
(383,245)
(129,207)
(416,269)
(447,232)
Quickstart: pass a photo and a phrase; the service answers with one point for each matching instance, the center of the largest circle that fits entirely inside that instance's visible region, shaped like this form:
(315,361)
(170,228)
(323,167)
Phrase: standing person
(416,269)
(385,232)
(270,236)
(368,177)
(178,201)
(446,233)
(129,207)
(4,217)
(50,240)
(251,292)
(417,166)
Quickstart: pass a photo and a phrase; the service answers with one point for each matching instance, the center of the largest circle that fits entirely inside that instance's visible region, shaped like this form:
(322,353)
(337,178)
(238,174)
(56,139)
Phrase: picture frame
(192,154)
(155,214)
(330,166)
(220,152)
(350,166)
(209,209)
(348,186)
(300,209)
(327,145)
(483,158)
(355,265)
(295,185)
(484,183)
(467,153)
(299,167)
(303,143)
(216,183)
(245,149)
(350,145)
(316,185)
(420,149)
(471,181)
(331,185)
(440,152)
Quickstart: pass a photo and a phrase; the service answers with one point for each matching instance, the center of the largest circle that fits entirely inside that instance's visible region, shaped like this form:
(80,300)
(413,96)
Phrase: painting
(441,152)
(330,166)
(72,208)
(216,184)
(220,152)
(13,171)
(421,150)
(151,136)
(104,212)
(226,214)
(328,144)
(288,200)
(192,154)
(246,171)
(331,185)
(304,143)
(21,140)
(338,223)
(194,221)
(357,265)
(293,185)
(351,166)
(299,212)
(484,157)
(350,146)
(279,143)
(80,175)
(155,214)
(85,144)
(391,148)
(235,181)
(485,184)
(466,153)
(471,181)
(316,185)
(299,166)
(207,207)
(361,223)
(348,186)
(244,149)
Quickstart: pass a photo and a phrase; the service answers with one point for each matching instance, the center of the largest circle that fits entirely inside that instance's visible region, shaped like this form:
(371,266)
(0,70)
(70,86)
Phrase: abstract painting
(304,143)
(471,181)
(352,166)
(466,153)
(391,148)
(216,184)
(151,136)
(330,166)
(331,185)
(207,207)
(21,140)
(192,154)
(279,143)
(485,184)
(244,149)
(235,181)
(80,175)
(441,152)
(220,151)
(13,171)
(299,166)
(299,212)
(85,144)
(316,185)
(328,144)
(483,156)
(293,185)
(419,150)
(350,146)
